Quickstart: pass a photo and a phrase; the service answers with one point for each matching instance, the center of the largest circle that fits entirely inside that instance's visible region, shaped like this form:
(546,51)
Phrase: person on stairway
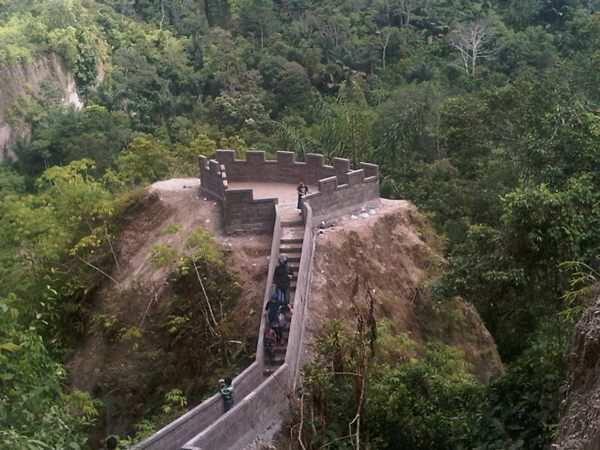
(302,191)
(269,341)
(226,391)
(282,280)
(273,308)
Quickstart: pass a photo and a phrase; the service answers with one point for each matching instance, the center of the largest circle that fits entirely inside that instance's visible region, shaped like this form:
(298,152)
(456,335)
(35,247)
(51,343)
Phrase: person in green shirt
(226,391)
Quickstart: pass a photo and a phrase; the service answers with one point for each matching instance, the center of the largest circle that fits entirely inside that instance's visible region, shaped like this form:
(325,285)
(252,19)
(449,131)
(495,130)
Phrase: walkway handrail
(176,433)
(294,347)
(273,259)
(240,426)
(266,405)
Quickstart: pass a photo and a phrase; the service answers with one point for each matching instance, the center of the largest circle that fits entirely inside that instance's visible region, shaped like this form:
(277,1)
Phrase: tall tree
(472,41)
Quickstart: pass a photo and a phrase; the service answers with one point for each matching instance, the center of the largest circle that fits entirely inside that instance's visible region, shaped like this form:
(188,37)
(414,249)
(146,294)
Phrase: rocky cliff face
(33,79)
(394,252)
(580,411)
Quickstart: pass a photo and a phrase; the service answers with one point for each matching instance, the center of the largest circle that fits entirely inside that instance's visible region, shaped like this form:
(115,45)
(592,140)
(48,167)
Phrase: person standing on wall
(226,391)
(282,281)
(302,191)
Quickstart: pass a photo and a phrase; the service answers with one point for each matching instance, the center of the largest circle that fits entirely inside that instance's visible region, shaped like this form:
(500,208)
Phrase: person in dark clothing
(282,280)
(226,391)
(272,308)
(111,443)
(302,191)
(269,341)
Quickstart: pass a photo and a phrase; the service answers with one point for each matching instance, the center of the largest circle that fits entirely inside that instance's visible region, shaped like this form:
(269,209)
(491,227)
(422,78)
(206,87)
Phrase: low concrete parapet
(301,299)
(262,408)
(334,199)
(273,261)
(241,212)
(177,433)
(185,428)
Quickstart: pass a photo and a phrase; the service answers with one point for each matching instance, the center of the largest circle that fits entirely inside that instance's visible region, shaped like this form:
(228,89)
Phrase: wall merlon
(213,180)
(225,156)
(328,185)
(314,160)
(356,177)
(342,167)
(371,170)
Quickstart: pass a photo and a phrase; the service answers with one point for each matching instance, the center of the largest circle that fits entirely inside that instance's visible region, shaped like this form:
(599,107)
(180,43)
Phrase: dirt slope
(394,252)
(126,371)
(579,427)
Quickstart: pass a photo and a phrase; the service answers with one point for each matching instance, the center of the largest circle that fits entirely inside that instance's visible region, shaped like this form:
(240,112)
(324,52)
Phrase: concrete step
(278,359)
(292,235)
(295,222)
(297,227)
(290,248)
(291,257)
(280,349)
(270,369)
(291,240)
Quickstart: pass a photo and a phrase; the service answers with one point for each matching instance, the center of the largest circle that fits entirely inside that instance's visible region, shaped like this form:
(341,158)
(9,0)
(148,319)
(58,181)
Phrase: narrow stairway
(290,245)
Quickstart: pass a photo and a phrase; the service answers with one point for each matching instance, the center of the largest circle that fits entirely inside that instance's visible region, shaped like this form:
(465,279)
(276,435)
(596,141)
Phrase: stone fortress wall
(339,187)
(262,403)
(270,402)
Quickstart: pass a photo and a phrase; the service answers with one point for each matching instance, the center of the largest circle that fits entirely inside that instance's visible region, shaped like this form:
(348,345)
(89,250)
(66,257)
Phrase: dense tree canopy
(484,113)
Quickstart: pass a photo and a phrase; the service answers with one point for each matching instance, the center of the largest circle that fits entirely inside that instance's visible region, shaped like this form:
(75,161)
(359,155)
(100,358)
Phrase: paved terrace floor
(284,192)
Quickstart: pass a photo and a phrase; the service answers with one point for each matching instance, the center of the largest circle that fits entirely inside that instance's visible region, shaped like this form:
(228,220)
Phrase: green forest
(484,113)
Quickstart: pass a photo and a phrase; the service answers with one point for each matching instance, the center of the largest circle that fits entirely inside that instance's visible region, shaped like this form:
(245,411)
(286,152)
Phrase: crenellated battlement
(285,168)
(339,187)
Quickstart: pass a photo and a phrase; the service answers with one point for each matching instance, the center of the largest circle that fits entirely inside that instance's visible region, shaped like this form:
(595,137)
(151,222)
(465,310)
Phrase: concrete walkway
(285,193)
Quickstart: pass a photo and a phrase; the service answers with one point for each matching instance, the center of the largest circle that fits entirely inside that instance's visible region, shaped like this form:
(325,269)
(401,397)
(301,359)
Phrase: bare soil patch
(393,252)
